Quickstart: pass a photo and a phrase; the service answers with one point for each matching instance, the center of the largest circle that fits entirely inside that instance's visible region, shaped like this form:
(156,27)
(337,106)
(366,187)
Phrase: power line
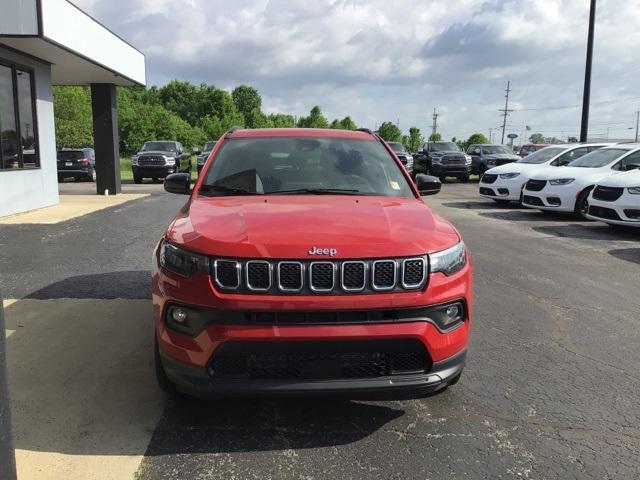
(505,111)
(563,107)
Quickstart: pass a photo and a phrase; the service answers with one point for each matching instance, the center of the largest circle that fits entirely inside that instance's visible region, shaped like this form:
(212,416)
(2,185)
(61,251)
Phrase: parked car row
(599,181)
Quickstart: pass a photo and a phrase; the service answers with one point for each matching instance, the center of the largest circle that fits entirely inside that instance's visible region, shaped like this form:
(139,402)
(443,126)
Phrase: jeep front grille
(320,277)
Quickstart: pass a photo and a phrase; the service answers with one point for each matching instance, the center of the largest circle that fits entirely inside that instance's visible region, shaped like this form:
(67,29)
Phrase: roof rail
(365,130)
(234,128)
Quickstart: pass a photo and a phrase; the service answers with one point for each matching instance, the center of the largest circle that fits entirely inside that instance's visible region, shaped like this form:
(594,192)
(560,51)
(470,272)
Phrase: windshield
(397,147)
(158,147)
(444,147)
(209,146)
(297,165)
(543,155)
(493,149)
(599,158)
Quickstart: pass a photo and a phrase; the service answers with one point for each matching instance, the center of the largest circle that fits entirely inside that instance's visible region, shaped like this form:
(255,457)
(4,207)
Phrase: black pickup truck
(442,159)
(484,157)
(157,159)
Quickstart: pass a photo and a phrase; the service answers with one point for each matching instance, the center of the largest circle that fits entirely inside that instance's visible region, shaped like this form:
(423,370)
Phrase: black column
(7,456)
(105,137)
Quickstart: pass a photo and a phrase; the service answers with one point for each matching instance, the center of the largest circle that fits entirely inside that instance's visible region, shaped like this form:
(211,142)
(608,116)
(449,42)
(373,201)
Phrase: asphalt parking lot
(550,390)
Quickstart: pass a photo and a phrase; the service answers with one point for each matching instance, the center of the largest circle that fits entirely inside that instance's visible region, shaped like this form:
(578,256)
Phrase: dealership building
(45,43)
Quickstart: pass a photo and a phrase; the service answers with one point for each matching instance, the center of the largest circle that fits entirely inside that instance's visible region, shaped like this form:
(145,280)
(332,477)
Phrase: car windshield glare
(493,149)
(543,155)
(444,147)
(301,165)
(159,146)
(599,158)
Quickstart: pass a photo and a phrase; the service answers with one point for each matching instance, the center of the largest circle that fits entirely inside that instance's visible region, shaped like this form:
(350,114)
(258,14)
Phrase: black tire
(60,179)
(481,170)
(137,179)
(154,179)
(77,179)
(92,176)
(161,376)
(442,178)
(464,178)
(582,204)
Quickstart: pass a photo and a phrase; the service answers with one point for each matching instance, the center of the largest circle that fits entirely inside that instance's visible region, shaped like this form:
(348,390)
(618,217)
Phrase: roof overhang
(80,50)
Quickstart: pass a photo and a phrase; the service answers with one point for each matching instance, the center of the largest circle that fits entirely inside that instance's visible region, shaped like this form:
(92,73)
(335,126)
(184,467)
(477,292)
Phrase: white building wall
(22,190)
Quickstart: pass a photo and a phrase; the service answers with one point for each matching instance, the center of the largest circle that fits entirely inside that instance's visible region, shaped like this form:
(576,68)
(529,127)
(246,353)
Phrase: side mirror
(428,185)
(179,183)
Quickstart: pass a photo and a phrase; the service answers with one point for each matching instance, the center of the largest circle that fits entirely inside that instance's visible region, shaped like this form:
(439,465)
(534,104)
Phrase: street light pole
(586,94)
(637,124)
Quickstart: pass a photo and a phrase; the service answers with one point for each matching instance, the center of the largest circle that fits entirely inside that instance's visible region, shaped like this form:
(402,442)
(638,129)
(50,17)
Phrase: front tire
(464,178)
(582,204)
(137,179)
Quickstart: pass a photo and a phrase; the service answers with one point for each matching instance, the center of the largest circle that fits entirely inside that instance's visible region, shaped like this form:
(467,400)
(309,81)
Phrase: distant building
(45,43)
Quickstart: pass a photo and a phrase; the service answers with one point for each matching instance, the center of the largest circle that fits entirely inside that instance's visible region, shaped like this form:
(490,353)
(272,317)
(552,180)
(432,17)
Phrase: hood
(579,173)
(518,167)
(158,152)
(447,152)
(624,179)
(501,156)
(288,226)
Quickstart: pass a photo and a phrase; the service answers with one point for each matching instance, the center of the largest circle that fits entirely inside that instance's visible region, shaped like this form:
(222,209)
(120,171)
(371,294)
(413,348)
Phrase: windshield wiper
(316,191)
(213,189)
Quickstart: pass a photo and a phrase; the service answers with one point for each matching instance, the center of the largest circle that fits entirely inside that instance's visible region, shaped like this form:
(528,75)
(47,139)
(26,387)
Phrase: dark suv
(484,157)
(442,159)
(158,159)
(79,163)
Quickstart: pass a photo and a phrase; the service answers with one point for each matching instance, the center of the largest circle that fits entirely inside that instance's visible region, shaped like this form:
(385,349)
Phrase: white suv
(616,199)
(567,189)
(505,183)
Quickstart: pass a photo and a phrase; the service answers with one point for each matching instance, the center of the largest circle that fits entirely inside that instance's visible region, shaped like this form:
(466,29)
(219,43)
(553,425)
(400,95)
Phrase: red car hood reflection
(288,226)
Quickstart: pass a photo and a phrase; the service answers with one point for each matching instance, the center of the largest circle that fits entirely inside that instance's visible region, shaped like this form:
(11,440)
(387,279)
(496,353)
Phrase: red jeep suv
(305,262)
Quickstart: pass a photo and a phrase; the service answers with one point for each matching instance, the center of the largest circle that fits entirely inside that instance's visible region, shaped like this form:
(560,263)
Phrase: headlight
(509,175)
(561,181)
(182,262)
(634,190)
(436,160)
(134,160)
(491,162)
(409,158)
(449,261)
(170,160)
(200,160)
(467,159)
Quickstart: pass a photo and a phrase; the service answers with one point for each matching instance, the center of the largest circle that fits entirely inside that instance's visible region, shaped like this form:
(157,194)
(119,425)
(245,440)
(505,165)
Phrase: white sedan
(567,189)
(505,183)
(616,199)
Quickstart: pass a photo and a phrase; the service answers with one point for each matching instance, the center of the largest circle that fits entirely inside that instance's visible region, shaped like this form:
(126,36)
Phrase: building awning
(80,50)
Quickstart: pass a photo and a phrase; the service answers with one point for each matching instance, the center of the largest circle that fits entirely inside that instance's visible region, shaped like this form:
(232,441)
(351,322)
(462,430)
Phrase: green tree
(73,118)
(347,123)
(415,139)
(247,100)
(281,120)
(477,138)
(435,137)
(181,98)
(315,119)
(536,138)
(390,132)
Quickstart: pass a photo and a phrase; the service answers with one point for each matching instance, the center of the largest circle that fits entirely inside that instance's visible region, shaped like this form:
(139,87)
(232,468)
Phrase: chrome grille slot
(353,276)
(290,276)
(258,274)
(384,275)
(322,276)
(227,274)
(413,272)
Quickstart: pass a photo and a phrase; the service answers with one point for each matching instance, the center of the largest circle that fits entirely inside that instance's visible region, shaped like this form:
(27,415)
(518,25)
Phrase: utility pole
(434,127)
(505,111)
(490,135)
(586,94)
(637,124)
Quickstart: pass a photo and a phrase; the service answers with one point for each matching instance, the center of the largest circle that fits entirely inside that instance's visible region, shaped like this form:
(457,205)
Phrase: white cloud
(378,60)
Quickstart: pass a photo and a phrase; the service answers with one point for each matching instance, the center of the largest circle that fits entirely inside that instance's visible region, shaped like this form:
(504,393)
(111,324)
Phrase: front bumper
(450,170)
(186,358)
(147,171)
(197,382)
(617,212)
(503,189)
(557,198)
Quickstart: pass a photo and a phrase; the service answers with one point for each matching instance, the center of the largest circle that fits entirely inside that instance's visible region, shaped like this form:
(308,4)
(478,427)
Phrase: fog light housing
(554,201)
(448,316)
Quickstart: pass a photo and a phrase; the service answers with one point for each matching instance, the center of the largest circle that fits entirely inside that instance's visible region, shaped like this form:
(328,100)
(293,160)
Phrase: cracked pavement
(550,389)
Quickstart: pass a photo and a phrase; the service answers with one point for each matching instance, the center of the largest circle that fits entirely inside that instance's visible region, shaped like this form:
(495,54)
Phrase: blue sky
(380,60)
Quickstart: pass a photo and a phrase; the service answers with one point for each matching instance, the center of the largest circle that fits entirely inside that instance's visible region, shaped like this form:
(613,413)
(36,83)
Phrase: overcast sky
(381,60)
